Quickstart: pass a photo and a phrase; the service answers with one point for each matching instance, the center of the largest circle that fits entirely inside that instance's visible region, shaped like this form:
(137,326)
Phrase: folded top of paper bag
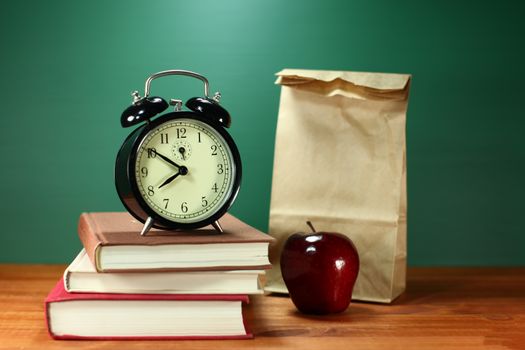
(345,83)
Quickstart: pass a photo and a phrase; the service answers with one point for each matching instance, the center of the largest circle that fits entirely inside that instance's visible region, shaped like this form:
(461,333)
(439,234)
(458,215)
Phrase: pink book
(144,316)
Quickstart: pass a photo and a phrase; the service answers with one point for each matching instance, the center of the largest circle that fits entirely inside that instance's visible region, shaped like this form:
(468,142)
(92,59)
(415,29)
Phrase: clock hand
(167,159)
(169,179)
(182,151)
(182,171)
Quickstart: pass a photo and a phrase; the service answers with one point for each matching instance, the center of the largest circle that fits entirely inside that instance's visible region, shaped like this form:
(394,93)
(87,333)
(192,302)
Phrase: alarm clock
(181,169)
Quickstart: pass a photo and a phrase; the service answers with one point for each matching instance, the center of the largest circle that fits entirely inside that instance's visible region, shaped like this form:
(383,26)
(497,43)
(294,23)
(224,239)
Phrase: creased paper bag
(340,162)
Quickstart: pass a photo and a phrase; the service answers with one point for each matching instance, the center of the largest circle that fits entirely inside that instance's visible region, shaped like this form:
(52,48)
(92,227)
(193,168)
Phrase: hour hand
(169,179)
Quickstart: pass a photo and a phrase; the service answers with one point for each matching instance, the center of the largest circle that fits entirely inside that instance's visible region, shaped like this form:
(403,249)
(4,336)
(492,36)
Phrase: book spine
(89,238)
(48,321)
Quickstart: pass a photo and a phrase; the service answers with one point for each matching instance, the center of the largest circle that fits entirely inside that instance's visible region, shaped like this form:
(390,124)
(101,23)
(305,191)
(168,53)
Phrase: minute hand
(167,159)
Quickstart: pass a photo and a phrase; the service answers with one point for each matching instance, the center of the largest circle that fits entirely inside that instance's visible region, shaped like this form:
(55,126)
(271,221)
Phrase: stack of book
(169,284)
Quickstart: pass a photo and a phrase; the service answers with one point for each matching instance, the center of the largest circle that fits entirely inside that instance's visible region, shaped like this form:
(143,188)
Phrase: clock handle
(177,72)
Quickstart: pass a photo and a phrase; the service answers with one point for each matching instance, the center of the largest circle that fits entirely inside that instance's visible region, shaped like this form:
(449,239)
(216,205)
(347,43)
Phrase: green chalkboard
(67,68)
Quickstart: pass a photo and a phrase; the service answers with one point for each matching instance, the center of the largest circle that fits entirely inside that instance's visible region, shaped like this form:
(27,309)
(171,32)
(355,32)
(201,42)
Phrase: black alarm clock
(182,169)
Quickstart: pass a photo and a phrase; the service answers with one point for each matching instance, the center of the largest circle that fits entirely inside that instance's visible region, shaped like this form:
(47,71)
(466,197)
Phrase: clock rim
(160,221)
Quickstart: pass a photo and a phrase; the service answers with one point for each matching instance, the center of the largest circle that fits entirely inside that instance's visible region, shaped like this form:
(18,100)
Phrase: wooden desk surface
(441,309)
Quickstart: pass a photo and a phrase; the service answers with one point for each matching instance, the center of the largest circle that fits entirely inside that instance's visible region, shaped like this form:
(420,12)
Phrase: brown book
(113,243)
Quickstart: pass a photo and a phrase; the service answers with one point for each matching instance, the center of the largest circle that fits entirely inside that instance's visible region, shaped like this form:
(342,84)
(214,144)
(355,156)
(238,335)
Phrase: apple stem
(309,223)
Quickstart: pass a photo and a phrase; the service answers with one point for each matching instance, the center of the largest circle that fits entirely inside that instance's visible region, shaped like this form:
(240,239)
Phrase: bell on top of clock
(181,170)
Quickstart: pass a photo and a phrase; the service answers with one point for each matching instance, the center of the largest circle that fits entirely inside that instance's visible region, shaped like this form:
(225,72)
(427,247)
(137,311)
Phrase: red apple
(319,270)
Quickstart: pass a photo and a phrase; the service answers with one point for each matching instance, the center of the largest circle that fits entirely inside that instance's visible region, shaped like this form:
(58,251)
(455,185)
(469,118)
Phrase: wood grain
(443,308)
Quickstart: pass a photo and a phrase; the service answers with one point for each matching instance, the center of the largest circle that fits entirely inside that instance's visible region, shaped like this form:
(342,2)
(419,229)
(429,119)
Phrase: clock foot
(147,226)
(216,225)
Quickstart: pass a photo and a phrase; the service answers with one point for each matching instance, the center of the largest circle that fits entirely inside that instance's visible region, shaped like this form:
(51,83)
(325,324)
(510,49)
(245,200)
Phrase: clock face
(184,170)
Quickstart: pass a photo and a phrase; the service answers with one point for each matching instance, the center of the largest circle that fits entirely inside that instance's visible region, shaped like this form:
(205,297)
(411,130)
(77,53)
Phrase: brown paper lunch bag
(340,162)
